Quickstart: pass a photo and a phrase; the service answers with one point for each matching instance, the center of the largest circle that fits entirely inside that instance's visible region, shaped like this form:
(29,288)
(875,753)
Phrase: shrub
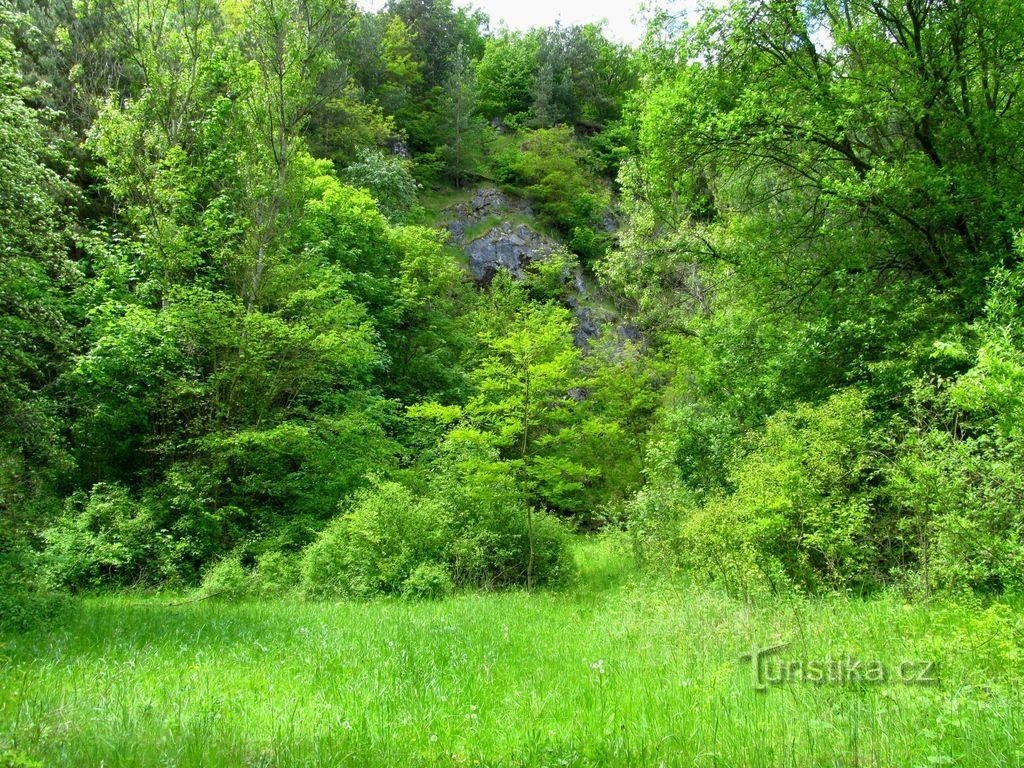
(276,575)
(551,168)
(23,599)
(374,547)
(798,514)
(107,536)
(472,522)
(228,579)
(957,502)
(956,482)
(388,178)
(428,581)
(489,544)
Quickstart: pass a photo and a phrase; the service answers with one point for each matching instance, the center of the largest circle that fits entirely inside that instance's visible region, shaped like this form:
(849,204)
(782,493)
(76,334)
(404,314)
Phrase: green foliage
(109,537)
(227,579)
(551,168)
(798,507)
(496,539)
(374,547)
(25,600)
(388,179)
(506,74)
(561,74)
(812,367)
(428,581)
(460,130)
(472,523)
(275,575)
(956,480)
(35,333)
(17,760)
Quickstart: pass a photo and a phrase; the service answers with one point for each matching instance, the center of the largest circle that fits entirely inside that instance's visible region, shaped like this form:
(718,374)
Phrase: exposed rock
(512,246)
(399,148)
(604,326)
(588,328)
(578,394)
(507,246)
(629,333)
(486,203)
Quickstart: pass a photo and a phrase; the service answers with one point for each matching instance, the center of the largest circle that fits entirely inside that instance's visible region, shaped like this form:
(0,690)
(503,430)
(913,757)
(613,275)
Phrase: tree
(461,130)
(35,335)
(793,112)
(506,74)
(388,179)
(439,32)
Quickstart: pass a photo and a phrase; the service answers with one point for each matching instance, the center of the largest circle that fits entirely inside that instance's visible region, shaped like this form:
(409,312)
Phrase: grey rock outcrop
(507,246)
(508,243)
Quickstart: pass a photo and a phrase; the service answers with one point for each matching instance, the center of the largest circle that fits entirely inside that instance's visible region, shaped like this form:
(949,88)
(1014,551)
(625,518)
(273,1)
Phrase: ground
(613,671)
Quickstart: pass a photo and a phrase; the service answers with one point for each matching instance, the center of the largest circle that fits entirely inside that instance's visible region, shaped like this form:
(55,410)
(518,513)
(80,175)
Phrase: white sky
(623,16)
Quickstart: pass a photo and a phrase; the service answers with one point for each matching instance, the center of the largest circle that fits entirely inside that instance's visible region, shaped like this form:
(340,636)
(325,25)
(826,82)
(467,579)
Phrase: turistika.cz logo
(770,669)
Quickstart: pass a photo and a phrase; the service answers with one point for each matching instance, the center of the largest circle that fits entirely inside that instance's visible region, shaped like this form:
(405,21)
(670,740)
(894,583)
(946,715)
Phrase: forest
(584,364)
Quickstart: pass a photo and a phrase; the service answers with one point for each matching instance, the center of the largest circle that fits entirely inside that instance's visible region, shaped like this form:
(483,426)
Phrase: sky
(523,14)
(622,16)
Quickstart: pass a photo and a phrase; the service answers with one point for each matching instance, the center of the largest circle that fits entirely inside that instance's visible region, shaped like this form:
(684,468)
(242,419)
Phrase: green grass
(612,672)
(433,204)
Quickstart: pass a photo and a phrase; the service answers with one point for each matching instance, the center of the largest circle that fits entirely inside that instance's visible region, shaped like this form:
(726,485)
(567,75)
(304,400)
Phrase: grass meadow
(615,671)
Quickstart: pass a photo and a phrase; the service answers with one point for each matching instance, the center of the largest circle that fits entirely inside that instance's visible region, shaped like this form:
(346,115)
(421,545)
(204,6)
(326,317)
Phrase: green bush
(276,575)
(108,537)
(799,513)
(24,601)
(489,543)
(388,178)
(472,521)
(551,168)
(428,581)
(17,760)
(955,484)
(228,579)
(375,546)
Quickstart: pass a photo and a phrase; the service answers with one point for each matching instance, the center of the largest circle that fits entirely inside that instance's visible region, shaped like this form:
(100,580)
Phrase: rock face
(486,203)
(509,244)
(398,148)
(506,246)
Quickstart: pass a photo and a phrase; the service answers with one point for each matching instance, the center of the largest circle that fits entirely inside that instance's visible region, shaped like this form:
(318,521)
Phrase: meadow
(615,671)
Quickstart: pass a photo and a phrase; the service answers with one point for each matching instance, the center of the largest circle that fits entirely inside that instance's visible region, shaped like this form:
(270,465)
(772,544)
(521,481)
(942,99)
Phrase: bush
(489,544)
(956,483)
(551,168)
(798,514)
(472,523)
(373,548)
(428,581)
(276,575)
(228,579)
(24,601)
(957,503)
(107,536)
(388,178)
